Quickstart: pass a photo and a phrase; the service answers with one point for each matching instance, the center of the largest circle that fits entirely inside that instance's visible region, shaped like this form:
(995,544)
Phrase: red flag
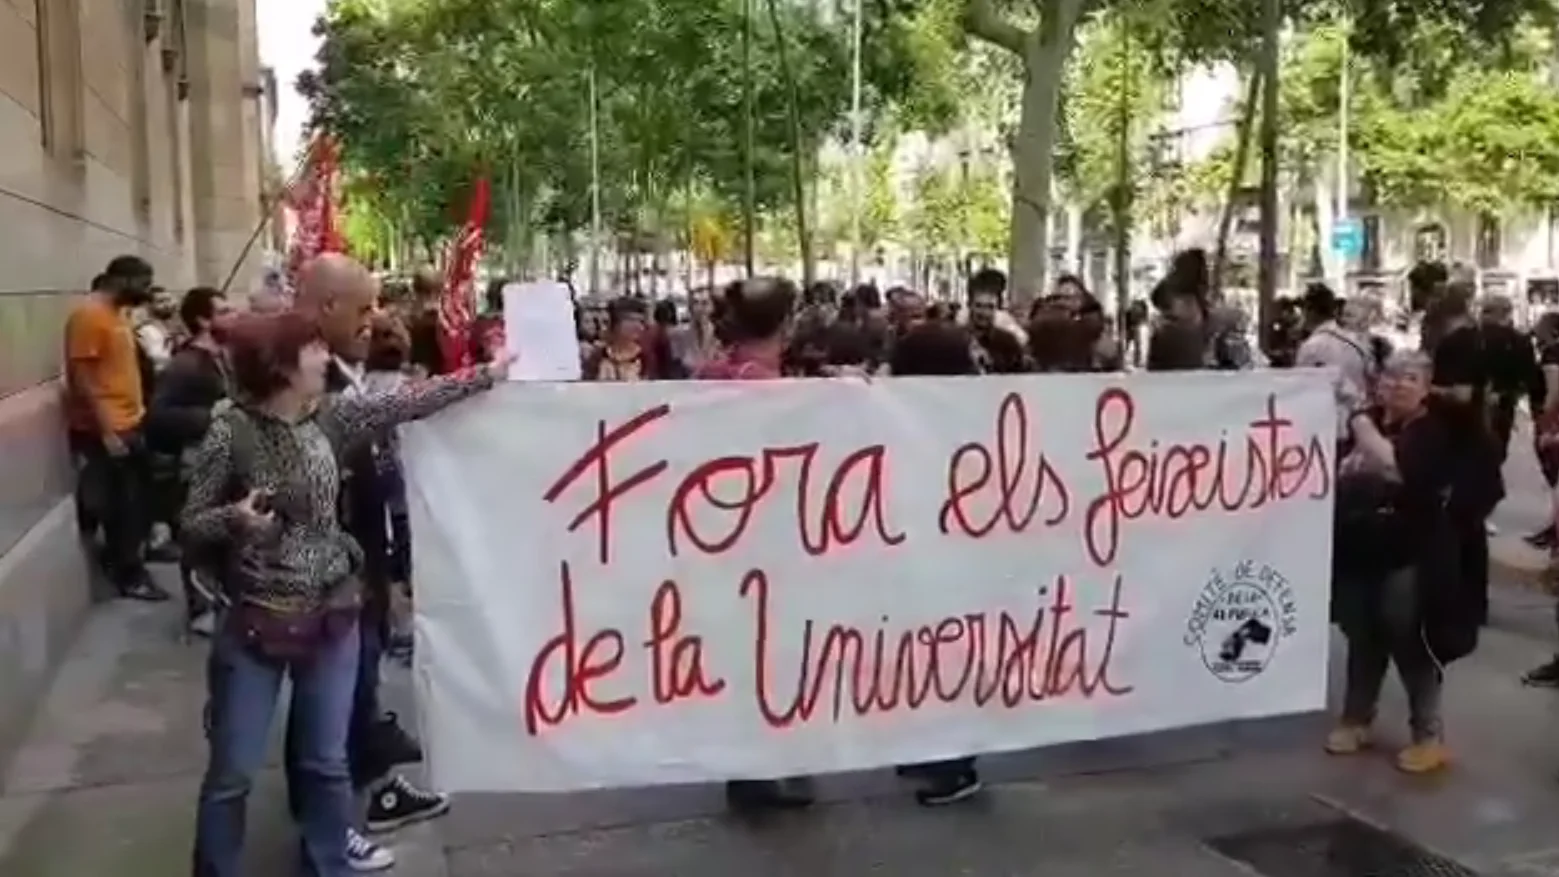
(313,200)
(456,307)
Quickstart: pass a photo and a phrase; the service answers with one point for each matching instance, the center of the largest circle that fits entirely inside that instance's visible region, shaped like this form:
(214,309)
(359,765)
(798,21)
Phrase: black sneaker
(398,803)
(145,590)
(393,745)
(950,790)
(1546,676)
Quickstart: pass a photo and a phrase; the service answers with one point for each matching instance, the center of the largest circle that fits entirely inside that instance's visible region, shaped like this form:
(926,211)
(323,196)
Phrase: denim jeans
(243,690)
(365,763)
(1392,633)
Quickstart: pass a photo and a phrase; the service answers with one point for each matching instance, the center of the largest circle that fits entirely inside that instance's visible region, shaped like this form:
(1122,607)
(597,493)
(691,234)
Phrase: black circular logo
(1240,618)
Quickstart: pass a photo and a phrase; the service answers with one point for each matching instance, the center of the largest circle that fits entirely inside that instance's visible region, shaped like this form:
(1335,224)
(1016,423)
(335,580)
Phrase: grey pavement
(1528,507)
(105,785)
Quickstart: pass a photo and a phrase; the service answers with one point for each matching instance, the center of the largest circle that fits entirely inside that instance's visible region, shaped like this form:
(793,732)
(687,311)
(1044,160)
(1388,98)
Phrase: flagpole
(595,188)
(268,215)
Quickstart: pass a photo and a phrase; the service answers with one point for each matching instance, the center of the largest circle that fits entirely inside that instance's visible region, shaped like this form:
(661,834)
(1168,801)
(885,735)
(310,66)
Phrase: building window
(45,75)
(60,77)
(1490,241)
(175,86)
(45,118)
(140,124)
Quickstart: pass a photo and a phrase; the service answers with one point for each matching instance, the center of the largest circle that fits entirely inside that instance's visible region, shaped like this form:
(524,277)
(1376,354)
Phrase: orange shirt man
(103,371)
(105,406)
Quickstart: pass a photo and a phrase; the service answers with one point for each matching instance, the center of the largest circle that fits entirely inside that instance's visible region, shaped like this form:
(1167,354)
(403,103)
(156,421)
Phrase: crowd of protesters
(261,440)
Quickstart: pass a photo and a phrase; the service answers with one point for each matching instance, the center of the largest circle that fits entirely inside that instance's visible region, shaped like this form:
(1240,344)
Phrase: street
(116,753)
(115,756)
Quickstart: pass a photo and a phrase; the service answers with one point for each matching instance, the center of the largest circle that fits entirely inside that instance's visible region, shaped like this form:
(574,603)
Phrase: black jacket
(180,411)
(364,499)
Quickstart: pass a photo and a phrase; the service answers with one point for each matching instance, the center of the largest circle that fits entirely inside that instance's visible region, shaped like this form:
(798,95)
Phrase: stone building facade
(126,126)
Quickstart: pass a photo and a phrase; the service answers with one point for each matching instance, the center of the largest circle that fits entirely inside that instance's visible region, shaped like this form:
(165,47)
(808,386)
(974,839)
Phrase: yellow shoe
(1348,739)
(1426,757)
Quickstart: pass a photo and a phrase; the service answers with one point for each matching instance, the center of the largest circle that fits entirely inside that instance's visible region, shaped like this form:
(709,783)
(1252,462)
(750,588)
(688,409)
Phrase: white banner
(634,584)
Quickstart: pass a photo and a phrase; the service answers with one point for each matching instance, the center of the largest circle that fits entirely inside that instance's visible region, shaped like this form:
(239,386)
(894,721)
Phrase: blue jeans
(243,690)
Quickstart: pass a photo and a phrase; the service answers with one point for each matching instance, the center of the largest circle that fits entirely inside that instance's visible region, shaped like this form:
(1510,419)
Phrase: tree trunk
(749,147)
(1236,179)
(1045,52)
(797,160)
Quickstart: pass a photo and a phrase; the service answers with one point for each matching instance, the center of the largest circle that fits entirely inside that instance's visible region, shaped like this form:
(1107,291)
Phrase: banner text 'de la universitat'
(654,583)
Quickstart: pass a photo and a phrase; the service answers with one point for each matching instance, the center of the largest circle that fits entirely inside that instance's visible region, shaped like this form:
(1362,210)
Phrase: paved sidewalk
(106,783)
(1528,507)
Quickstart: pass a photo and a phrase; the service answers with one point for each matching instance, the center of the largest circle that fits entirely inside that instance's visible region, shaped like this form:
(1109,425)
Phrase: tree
(1041,35)
(1114,65)
(425,94)
(1491,143)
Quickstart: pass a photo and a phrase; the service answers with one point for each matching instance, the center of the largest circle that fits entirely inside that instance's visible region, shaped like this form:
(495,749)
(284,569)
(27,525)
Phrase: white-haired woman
(1398,597)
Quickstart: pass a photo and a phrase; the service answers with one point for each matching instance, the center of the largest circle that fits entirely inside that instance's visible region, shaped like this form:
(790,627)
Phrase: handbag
(289,637)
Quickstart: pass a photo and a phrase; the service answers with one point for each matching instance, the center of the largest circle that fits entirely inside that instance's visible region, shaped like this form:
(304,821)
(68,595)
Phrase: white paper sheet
(538,322)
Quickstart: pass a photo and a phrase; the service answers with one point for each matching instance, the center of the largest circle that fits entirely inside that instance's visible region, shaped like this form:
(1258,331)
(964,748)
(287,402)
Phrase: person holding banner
(941,350)
(264,494)
(755,315)
(1399,599)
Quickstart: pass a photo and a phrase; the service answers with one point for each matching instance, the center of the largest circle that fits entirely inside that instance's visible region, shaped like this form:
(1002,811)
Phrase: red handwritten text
(854,494)
(676,659)
(1012,459)
(606,491)
(582,667)
(977,658)
(1272,463)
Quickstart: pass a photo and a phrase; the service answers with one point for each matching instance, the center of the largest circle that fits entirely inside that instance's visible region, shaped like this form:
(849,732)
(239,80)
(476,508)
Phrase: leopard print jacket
(305,561)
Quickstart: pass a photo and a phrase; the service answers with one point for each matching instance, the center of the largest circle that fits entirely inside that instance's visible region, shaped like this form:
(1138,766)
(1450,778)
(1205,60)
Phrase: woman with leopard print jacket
(264,498)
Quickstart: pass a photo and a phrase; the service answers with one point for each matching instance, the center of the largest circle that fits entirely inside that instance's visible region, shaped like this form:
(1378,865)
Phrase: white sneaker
(364,856)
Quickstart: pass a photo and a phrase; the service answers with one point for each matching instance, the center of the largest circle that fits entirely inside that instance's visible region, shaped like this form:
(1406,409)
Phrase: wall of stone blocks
(127,185)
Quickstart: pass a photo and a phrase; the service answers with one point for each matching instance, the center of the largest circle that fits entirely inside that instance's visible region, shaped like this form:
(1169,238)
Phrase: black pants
(114,488)
(1472,544)
(1502,422)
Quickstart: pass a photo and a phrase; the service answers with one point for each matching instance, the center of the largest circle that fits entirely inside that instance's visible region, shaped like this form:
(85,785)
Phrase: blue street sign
(1348,238)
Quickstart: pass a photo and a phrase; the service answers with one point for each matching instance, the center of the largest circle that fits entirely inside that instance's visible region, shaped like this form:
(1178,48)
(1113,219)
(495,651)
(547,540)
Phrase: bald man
(341,295)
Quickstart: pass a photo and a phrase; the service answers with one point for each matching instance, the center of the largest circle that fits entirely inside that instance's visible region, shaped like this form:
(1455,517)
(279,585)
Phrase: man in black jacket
(191,385)
(341,296)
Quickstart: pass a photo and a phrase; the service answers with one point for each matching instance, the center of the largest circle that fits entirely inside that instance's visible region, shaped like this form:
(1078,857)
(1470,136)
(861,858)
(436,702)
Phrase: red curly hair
(264,349)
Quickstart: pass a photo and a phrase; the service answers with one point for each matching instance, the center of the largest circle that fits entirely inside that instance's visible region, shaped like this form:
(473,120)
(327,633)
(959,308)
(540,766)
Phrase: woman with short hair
(1398,596)
(264,498)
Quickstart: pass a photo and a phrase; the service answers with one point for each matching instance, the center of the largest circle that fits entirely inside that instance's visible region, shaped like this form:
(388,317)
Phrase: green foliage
(1114,65)
(957,209)
(1447,120)
(426,94)
(1492,142)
